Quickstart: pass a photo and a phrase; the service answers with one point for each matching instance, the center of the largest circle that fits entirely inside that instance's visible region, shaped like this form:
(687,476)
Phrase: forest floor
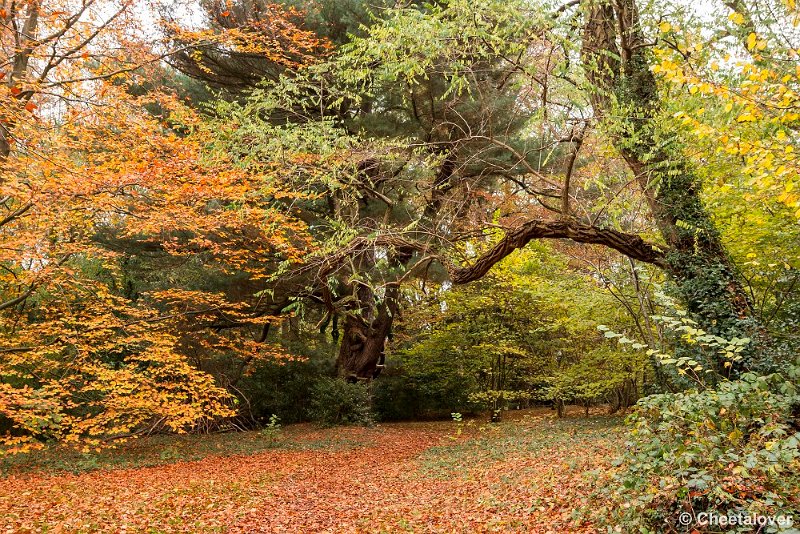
(531,473)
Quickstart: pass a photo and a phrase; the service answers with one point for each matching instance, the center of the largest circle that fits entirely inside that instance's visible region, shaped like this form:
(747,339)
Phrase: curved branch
(630,245)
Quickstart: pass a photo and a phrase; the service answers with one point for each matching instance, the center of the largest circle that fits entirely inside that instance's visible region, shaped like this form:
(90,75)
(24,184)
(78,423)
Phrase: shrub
(730,450)
(282,388)
(395,396)
(336,402)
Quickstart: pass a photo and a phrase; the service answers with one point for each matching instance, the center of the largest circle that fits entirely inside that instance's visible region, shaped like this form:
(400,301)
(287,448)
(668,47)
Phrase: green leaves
(728,450)
(717,353)
(524,331)
(412,45)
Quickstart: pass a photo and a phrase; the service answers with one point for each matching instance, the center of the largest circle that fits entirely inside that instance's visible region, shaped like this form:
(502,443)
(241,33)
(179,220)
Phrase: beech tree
(89,176)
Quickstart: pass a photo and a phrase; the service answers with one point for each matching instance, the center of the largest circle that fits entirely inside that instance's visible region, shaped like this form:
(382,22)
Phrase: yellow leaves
(703,88)
(754,43)
(736,18)
(788,198)
(789,117)
(765,102)
(751,41)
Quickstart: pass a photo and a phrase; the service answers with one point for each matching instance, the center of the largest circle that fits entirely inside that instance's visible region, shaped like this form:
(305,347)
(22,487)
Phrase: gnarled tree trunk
(366,329)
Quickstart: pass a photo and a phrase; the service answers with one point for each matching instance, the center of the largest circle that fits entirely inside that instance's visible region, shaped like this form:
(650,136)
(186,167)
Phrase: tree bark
(366,329)
(616,60)
(631,245)
(5,145)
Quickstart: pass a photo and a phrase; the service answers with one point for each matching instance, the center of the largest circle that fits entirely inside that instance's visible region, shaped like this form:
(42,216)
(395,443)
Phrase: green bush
(282,388)
(731,450)
(337,402)
(395,396)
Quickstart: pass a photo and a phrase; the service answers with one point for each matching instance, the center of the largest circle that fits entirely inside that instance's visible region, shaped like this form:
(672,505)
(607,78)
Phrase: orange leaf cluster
(79,362)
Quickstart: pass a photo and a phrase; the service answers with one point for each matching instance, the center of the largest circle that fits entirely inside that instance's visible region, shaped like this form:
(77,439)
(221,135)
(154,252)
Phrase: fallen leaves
(530,475)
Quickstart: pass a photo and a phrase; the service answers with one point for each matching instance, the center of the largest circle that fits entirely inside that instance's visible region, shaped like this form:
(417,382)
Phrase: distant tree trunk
(366,329)
(616,402)
(616,61)
(5,145)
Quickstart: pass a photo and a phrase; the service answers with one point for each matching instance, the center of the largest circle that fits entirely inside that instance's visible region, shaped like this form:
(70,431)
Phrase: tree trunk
(366,329)
(616,402)
(615,57)
(5,145)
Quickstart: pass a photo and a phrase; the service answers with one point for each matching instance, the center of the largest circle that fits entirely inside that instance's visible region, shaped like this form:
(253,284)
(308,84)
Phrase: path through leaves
(530,475)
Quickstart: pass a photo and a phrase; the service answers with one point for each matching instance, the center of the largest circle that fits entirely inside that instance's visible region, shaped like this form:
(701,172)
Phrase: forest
(399,266)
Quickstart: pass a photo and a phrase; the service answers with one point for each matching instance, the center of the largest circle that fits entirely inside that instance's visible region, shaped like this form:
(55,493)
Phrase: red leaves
(409,477)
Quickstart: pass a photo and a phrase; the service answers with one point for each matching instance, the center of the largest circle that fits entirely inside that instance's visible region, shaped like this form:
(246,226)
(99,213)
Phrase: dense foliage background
(354,212)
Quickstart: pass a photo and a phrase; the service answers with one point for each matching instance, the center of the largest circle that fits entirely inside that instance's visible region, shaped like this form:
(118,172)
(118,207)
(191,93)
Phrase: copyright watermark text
(735,519)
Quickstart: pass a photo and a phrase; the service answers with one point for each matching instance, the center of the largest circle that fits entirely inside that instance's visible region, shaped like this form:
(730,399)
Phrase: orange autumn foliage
(79,361)
(88,168)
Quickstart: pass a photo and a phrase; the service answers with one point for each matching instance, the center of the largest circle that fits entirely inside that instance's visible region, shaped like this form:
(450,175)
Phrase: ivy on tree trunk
(615,58)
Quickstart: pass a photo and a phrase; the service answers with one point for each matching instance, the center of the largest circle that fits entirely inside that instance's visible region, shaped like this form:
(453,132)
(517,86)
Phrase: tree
(743,90)
(732,94)
(88,179)
(53,48)
(244,44)
(461,118)
(698,260)
(528,330)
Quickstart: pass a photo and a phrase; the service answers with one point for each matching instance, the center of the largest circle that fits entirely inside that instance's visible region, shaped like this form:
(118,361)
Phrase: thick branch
(19,212)
(630,245)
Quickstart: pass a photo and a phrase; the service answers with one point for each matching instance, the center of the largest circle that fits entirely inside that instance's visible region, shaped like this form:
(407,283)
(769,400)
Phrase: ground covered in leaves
(534,473)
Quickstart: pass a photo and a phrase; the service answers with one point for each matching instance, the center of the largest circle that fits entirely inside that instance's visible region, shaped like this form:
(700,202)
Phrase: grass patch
(488,443)
(158,450)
